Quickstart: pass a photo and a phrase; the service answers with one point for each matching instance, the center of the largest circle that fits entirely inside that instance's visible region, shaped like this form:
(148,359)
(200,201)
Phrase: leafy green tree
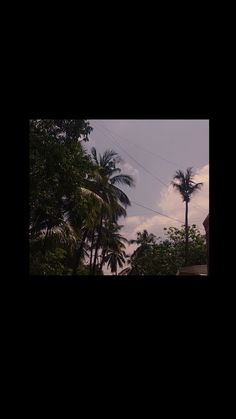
(58,165)
(186,187)
(58,169)
(167,255)
(53,260)
(74,198)
(197,244)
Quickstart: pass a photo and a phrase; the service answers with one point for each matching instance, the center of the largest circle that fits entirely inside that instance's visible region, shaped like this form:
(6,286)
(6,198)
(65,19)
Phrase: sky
(152,151)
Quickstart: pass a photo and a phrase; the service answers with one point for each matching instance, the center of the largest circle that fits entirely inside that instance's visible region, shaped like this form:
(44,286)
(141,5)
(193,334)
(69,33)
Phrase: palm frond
(94,154)
(123,198)
(186,186)
(107,157)
(125,271)
(121,261)
(123,180)
(88,193)
(95,178)
(119,212)
(115,170)
(179,175)
(176,185)
(189,173)
(121,238)
(196,187)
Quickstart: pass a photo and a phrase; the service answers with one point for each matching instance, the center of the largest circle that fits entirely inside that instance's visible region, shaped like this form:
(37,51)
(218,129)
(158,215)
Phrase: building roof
(193,270)
(206,222)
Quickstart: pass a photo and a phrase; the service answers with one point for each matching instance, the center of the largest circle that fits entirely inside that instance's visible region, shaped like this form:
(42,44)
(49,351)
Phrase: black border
(110,100)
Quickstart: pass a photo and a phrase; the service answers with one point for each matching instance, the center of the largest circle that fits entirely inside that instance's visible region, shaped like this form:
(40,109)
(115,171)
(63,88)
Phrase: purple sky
(161,147)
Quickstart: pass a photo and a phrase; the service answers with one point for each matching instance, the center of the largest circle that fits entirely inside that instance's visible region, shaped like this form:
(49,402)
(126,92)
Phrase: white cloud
(135,219)
(155,225)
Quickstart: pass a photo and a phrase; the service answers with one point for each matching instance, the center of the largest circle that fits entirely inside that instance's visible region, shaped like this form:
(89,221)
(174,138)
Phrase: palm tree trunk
(44,242)
(91,252)
(186,234)
(103,258)
(79,254)
(97,245)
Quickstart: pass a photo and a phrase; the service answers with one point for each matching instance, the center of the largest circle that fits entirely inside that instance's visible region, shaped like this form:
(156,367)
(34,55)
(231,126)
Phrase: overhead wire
(140,205)
(154,154)
(143,148)
(132,158)
(115,141)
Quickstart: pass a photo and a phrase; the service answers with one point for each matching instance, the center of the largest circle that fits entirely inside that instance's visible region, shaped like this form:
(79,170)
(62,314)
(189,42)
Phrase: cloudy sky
(152,150)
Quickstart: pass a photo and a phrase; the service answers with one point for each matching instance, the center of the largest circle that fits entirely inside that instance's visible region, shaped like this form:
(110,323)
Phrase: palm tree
(111,239)
(76,213)
(63,221)
(98,201)
(186,187)
(106,177)
(115,257)
(144,240)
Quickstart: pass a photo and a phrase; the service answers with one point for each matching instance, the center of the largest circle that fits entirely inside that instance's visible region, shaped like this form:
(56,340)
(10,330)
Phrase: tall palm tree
(107,176)
(186,187)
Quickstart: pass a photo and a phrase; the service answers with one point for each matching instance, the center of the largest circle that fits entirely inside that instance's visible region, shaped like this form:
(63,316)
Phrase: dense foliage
(75,201)
(164,257)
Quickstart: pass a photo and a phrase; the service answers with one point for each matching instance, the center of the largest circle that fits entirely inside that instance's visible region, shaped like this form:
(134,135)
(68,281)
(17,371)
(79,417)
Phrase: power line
(140,205)
(158,156)
(115,141)
(168,161)
(148,151)
(144,168)
(157,212)
(143,148)
(150,209)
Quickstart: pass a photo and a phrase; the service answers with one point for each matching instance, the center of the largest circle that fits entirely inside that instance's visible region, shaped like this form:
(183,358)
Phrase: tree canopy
(73,196)
(165,256)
